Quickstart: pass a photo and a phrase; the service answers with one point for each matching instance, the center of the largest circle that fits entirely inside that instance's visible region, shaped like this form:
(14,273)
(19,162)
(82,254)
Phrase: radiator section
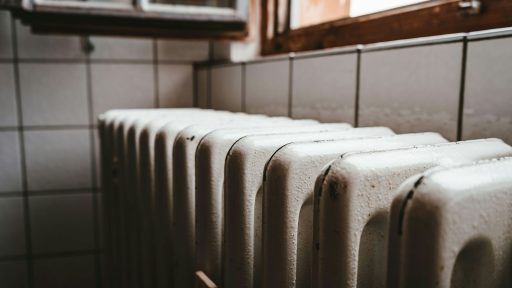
(205,198)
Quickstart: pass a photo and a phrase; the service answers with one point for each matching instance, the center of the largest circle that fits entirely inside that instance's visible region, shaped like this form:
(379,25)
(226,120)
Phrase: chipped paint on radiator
(288,189)
(470,245)
(365,184)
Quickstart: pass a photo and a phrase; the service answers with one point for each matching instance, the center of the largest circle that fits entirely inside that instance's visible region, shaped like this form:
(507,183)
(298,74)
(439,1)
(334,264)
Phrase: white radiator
(203,198)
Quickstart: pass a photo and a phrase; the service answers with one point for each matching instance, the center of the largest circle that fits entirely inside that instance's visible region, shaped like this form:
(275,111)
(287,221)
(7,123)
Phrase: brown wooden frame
(106,25)
(140,18)
(425,19)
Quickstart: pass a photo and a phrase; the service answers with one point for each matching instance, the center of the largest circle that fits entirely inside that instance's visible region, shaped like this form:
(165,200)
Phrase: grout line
(195,93)
(211,52)
(290,88)
(51,61)
(9,129)
(90,102)
(67,254)
(61,192)
(120,61)
(460,116)
(212,62)
(358,85)
(156,75)
(12,258)
(208,88)
(209,76)
(59,127)
(334,53)
(48,127)
(56,192)
(94,61)
(244,105)
(176,62)
(11,194)
(26,204)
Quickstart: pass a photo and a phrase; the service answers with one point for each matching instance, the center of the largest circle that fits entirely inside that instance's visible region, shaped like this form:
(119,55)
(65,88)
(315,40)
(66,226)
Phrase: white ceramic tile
(14,274)
(266,88)
(47,47)
(5,35)
(12,234)
(488,100)
(175,85)
(54,94)
(122,48)
(10,162)
(202,87)
(412,89)
(243,51)
(58,159)
(65,272)
(178,50)
(61,223)
(324,88)
(122,86)
(221,50)
(8,109)
(97,158)
(226,88)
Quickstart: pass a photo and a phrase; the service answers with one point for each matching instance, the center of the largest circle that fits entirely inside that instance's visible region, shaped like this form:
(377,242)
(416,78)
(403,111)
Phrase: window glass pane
(363,7)
(310,12)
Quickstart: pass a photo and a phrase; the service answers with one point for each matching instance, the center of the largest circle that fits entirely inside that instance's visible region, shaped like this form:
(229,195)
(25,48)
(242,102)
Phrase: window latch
(470,7)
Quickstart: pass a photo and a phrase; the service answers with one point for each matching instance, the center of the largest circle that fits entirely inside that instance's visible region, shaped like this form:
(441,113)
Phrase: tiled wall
(50,95)
(458,85)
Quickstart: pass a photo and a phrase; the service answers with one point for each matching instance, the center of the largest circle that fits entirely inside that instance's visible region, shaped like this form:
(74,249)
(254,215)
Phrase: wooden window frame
(138,18)
(419,20)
